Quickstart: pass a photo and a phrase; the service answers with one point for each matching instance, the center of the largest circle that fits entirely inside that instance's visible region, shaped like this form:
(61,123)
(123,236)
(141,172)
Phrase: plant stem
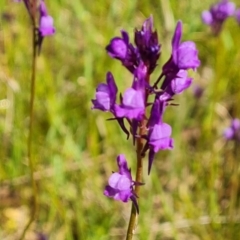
(234,182)
(30,133)
(139,173)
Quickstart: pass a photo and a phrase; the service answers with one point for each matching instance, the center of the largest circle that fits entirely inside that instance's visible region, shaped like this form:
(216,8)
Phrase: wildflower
(120,184)
(45,21)
(175,84)
(184,55)
(197,91)
(121,49)
(106,94)
(147,49)
(146,41)
(118,47)
(140,59)
(159,135)
(233,132)
(218,14)
(133,101)
(46,27)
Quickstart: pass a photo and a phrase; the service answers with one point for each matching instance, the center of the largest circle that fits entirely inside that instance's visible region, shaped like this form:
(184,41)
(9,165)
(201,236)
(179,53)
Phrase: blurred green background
(189,192)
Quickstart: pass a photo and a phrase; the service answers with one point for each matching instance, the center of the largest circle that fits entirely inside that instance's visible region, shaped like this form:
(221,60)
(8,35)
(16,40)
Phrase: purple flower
(146,41)
(46,27)
(106,94)
(147,49)
(120,184)
(197,91)
(180,82)
(118,47)
(217,15)
(121,49)
(159,135)
(207,17)
(175,84)
(133,101)
(222,10)
(233,132)
(185,54)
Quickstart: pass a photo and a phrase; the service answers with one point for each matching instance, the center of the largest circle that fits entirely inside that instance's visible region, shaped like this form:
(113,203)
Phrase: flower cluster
(218,14)
(141,60)
(46,27)
(120,184)
(233,132)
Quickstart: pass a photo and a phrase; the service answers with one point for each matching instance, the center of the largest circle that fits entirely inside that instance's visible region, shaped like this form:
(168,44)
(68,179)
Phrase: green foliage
(187,196)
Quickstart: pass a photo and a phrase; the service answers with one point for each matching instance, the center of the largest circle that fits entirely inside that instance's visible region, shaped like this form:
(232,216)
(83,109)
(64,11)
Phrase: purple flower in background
(218,14)
(159,135)
(106,94)
(233,132)
(207,17)
(197,91)
(133,101)
(120,184)
(46,27)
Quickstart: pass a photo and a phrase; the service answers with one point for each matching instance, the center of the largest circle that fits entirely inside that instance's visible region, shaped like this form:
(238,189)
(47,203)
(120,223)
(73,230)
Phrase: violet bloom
(197,91)
(184,54)
(180,82)
(175,84)
(218,14)
(121,49)
(120,184)
(118,47)
(146,41)
(133,101)
(159,135)
(46,27)
(147,49)
(233,132)
(106,94)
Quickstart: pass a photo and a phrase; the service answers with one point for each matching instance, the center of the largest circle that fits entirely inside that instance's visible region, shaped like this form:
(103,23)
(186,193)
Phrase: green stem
(30,134)
(139,173)
(234,183)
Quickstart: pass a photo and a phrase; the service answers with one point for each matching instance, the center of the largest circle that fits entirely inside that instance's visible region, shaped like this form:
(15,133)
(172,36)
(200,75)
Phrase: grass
(187,196)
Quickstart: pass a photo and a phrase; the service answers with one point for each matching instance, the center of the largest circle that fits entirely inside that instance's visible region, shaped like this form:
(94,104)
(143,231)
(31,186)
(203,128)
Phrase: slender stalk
(139,173)
(235,182)
(30,134)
